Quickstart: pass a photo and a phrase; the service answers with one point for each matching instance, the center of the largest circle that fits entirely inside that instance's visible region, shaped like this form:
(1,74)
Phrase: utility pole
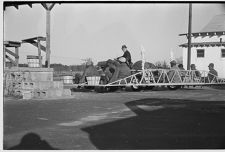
(189,37)
(48,51)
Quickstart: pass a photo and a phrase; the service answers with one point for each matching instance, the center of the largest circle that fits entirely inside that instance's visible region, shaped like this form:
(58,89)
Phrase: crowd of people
(195,73)
(119,68)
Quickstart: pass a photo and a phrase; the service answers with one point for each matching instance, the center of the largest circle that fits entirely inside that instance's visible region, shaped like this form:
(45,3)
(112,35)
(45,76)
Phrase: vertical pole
(4,64)
(17,53)
(48,51)
(143,57)
(39,53)
(189,37)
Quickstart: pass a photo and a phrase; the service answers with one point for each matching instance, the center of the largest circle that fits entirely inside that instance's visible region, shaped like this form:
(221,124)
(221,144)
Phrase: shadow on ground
(32,141)
(164,124)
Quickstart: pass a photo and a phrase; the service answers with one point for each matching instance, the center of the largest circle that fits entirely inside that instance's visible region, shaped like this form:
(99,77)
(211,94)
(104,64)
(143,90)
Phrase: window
(200,53)
(222,53)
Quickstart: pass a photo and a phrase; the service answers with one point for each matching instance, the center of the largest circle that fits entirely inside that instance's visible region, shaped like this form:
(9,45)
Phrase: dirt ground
(190,118)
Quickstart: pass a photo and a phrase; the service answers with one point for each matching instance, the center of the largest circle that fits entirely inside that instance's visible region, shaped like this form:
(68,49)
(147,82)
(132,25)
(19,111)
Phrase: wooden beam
(4,57)
(50,8)
(29,4)
(11,53)
(35,38)
(44,5)
(12,44)
(35,44)
(48,51)
(11,60)
(16,6)
(39,53)
(17,53)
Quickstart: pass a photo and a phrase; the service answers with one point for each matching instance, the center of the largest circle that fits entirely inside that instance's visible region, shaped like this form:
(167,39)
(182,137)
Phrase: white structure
(208,46)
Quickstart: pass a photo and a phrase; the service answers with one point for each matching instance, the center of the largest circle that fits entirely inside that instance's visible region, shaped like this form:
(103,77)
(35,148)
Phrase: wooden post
(39,53)
(4,64)
(17,58)
(48,51)
(189,37)
(48,7)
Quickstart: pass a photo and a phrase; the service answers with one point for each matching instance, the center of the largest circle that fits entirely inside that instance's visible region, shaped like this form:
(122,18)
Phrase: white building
(208,46)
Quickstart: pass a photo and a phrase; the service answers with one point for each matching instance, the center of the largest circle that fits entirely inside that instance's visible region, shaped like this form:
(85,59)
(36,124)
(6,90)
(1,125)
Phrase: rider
(126,55)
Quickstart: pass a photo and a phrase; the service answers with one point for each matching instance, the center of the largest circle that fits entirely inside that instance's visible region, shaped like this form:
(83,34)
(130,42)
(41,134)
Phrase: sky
(97,31)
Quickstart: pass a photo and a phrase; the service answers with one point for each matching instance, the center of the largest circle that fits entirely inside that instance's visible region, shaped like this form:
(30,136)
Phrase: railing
(165,77)
(154,77)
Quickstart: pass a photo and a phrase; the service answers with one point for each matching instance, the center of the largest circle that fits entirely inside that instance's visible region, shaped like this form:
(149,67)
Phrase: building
(208,46)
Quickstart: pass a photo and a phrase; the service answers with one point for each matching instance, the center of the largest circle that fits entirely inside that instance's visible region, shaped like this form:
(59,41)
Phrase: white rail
(165,77)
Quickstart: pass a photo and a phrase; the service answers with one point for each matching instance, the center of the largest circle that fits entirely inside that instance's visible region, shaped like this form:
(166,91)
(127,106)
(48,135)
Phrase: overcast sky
(98,31)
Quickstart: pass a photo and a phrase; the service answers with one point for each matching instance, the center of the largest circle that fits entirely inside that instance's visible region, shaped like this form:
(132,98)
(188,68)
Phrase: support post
(48,51)
(189,37)
(4,64)
(17,59)
(39,53)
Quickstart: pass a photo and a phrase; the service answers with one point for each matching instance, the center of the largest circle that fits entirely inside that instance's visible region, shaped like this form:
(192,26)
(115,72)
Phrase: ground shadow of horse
(164,124)
(32,141)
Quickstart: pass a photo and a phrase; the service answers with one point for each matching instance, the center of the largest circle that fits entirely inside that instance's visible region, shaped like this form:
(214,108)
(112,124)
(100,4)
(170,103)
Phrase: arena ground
(189,118)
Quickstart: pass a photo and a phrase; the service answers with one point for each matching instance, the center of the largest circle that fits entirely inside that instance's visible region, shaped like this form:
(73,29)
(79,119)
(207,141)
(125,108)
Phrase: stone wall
(32,83)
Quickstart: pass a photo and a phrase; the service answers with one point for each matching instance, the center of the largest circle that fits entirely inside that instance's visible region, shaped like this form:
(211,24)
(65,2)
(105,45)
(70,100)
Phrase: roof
(40,38)
(217,23)
(216,26)
(16,4)
(12,44)
(203,44)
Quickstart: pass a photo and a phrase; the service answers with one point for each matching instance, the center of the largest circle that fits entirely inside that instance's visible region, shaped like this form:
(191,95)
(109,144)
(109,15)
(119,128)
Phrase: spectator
(197,73)
(172,74)
(182,71)
(181,67)
(89,71)
(212,72)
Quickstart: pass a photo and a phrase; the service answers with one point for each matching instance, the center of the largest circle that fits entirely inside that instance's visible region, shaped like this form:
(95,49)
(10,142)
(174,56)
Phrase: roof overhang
(16,4)
(204,44)
(204,34)
(39,38)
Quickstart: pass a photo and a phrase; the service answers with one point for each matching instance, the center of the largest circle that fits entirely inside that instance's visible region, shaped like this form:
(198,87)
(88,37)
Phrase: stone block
(37,94)
(66,92)
(57,84)
(31,74)
(27,94)
(41,76)
(42,85)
